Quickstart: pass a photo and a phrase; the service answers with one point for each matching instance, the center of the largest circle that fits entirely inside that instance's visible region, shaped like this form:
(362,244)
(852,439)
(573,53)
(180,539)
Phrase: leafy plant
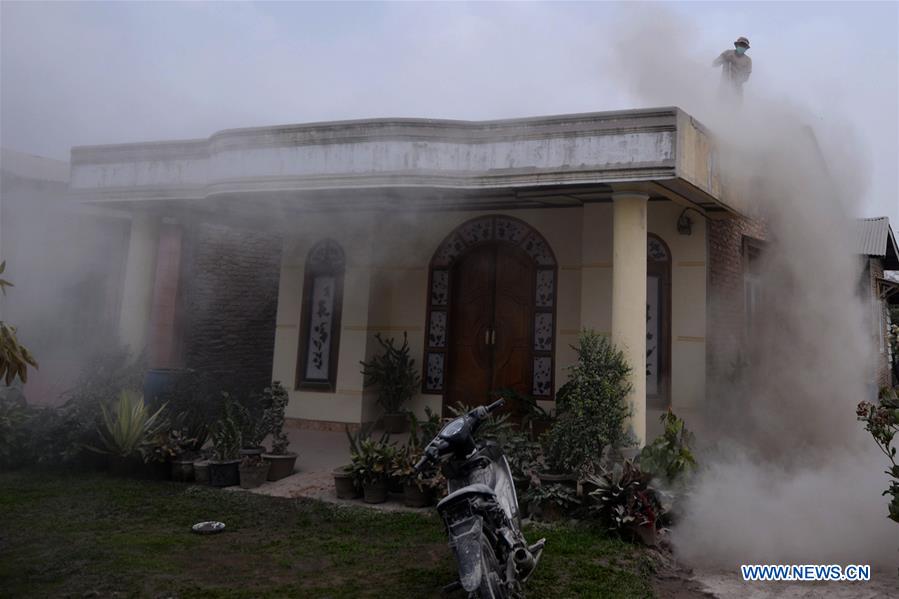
(623,499)
(249,416)
(193,408)
(525,408)
(562,496)
(591,408)
(393,372)
(274,417)
(373,460)
(226,434)
(495,427)
(882,422)
(669,457)
(421,432)
(525,459)
(14,357)
(128,427)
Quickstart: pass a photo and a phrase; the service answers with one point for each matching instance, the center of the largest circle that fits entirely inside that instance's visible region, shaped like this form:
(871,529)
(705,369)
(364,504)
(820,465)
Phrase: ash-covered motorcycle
(481,511)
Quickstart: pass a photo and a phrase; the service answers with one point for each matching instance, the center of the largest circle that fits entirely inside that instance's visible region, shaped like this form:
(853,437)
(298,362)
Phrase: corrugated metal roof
(871,235)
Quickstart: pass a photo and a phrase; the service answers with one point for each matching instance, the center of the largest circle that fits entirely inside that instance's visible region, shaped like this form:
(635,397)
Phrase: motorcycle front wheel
(492,586)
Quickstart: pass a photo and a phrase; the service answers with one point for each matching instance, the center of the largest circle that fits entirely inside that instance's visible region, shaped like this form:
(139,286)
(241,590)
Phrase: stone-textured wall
(726,311)
(231,282)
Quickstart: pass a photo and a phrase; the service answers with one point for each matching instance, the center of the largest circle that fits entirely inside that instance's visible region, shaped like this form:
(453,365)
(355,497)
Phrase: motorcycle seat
(477,489)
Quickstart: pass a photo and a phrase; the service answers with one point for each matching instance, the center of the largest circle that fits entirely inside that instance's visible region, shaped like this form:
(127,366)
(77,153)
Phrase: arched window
(320,321)
(658,323)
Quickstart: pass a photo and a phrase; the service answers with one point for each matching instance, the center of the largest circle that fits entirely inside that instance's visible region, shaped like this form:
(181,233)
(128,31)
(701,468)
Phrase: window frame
(310,273)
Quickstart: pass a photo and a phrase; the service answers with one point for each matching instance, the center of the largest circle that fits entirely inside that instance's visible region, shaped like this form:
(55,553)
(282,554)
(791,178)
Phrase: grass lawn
(93,535)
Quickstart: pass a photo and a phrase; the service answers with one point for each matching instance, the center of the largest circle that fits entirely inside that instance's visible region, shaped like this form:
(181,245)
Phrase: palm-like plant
(128,426)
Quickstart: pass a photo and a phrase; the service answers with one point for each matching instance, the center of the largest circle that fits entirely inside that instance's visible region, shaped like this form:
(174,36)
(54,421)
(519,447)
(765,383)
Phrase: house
(280,252)
(876,244)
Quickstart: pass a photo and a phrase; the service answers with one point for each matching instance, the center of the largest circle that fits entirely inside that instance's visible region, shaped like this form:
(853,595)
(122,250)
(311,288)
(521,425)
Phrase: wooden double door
(492,318)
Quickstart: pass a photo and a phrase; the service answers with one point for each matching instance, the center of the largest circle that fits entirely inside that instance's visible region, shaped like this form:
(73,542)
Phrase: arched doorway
(491,312)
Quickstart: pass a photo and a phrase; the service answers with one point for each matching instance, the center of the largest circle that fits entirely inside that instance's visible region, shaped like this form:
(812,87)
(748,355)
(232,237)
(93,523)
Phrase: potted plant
(253,471)
(251,420)
(591,410)
(371,467)
(345,483)
(394,374)
(176,450)
(226,440)
(127,432)
(281,462)
(417,491)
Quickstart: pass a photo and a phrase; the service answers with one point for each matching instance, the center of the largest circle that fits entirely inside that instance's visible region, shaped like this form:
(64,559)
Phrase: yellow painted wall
(386,291)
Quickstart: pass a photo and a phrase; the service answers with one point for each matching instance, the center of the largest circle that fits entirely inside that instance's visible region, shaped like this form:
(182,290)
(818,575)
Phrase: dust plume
(789,476)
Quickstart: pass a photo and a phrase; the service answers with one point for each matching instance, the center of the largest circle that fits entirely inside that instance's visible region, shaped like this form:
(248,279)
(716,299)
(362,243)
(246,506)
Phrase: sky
(78,73)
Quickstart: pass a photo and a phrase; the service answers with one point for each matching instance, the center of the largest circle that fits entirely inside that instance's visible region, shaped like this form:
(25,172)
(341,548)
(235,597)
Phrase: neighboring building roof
(29,166)
(874,237)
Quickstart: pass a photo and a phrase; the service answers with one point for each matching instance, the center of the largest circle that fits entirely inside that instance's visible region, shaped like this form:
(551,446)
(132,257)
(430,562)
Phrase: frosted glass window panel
(318,352)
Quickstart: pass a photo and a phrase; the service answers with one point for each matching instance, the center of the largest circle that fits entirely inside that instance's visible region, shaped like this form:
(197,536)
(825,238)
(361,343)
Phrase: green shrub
(274,417)
(64,432)
(561,496)
(394,373)
(669,457)
(882,421)
(591,408)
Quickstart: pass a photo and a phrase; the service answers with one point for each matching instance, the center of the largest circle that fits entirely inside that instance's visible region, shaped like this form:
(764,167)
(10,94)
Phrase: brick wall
(231,282)
(880,318)
(725,319)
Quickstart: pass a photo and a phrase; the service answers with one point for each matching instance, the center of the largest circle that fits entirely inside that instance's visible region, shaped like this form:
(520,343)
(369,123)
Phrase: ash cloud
(790,475)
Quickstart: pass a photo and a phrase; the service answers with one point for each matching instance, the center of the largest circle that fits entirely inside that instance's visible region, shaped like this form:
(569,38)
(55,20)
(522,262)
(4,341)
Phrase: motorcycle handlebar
(421,463)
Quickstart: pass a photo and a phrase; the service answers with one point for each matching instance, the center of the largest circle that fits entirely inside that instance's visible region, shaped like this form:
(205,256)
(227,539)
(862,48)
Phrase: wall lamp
(685,223)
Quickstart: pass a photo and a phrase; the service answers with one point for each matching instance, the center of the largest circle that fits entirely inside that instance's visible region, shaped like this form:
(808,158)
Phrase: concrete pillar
(140,274)
(629,297)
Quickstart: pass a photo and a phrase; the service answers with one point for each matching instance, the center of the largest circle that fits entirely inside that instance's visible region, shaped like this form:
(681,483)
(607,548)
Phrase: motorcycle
(481,512)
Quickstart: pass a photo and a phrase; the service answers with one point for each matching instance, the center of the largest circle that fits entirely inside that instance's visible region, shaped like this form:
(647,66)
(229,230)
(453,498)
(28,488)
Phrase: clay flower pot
(224,474)
(344,483)
(182,470)
(201,472)
(375,491)
(252,476)
(281,465)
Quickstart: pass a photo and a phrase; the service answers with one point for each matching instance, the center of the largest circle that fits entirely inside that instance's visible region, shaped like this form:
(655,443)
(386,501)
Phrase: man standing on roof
(735,69)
